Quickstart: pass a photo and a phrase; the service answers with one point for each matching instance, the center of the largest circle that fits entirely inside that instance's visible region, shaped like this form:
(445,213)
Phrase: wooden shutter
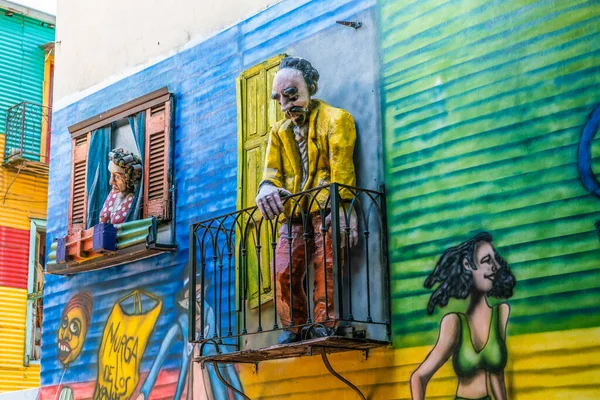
(257,113)
(157,182)
(78,204)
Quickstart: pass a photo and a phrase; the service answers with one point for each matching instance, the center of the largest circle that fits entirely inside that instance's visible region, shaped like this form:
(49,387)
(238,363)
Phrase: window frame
(85,128)
(36,225)
(90,248)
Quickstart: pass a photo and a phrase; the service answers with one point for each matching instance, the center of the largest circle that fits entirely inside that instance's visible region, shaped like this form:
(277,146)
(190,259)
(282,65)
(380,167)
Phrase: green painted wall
(484,104)
(22,69)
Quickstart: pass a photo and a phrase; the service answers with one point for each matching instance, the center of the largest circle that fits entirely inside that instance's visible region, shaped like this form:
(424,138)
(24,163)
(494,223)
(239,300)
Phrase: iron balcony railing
(232,259)
(28,128)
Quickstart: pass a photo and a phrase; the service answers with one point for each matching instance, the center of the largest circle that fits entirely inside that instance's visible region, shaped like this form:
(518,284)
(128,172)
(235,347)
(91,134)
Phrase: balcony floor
(331,344)
(17,163)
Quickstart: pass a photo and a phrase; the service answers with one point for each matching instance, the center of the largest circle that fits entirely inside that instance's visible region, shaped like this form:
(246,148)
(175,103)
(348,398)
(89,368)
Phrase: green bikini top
(493,356)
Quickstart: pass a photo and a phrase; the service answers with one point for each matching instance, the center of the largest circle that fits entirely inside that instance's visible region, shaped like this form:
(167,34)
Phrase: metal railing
(25,124)
(234,268)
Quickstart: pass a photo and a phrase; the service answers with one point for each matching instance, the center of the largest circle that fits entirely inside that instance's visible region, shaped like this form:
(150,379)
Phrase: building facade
(475,118)
(26,65)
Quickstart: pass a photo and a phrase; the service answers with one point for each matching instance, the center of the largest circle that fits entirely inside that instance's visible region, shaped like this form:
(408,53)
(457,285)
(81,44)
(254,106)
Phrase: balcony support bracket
(229,385)
(341,378)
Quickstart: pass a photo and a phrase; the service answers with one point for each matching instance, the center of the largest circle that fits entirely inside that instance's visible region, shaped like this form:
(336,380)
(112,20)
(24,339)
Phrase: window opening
(35,291)
(121,188)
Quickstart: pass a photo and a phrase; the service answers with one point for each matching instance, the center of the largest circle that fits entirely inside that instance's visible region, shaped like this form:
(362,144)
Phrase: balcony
(233,274)
(27,137)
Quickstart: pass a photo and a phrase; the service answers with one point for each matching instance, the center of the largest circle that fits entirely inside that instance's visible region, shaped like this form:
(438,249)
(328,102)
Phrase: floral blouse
(116,207)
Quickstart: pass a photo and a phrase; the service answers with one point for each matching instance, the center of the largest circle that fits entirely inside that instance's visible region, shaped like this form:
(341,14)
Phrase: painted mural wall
(121,333)
(488,122)
(483,108)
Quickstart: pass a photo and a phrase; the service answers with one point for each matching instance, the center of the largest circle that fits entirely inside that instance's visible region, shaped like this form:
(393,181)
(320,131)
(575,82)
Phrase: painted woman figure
(125,173)
(476,339)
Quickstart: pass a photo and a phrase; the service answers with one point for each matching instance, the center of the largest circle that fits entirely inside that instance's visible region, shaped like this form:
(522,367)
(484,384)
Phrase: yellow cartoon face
(71,335)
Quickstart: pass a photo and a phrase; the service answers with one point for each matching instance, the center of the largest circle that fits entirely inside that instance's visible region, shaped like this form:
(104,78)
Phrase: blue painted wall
(203,81)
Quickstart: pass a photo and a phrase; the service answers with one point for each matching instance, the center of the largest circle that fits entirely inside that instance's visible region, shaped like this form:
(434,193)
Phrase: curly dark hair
(310,74)
(456,281)
(131,163)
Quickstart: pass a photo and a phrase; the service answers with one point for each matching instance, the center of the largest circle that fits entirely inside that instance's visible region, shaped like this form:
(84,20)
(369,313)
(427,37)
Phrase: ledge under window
(107,245)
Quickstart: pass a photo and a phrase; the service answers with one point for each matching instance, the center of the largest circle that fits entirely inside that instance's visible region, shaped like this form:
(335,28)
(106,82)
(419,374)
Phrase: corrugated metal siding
(22,196)
(14,256)
(21,67)
(85,390)
(533,372)
(203,79)
(13,375)
(160,276)
(484,107)
(449,160)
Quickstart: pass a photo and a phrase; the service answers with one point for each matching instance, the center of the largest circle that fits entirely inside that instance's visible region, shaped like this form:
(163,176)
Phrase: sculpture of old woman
(125,173)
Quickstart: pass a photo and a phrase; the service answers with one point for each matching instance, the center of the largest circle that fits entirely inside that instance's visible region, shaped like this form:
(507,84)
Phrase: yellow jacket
(331,139)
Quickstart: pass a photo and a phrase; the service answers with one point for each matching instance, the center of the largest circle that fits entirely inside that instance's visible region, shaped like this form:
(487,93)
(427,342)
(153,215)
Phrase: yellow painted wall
(13,374)
(22,196)
(553,365)
(47,101)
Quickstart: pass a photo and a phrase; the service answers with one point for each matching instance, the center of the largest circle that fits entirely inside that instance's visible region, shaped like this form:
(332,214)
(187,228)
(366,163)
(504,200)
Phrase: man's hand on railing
(269,200)
(353,226)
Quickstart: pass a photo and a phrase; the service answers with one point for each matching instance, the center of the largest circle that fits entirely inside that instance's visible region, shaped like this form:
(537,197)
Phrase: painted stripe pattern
(14,257)
(484,105)
(21,68)
(13,374)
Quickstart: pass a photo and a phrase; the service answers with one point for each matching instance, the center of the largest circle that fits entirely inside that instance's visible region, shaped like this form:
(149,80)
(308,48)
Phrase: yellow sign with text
(124,341)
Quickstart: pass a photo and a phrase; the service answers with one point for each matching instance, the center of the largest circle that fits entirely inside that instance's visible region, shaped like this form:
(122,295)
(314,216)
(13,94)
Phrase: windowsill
(105,246)
(331,344)
(130,254)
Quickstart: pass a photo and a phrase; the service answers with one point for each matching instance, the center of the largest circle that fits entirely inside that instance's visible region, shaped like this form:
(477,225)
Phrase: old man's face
(291,92)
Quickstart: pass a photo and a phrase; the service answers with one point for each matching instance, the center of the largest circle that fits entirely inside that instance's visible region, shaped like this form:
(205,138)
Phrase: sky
(47,6)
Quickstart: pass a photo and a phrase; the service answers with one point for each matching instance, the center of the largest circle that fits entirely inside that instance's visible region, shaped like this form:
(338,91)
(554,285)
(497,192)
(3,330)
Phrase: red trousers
(294,268)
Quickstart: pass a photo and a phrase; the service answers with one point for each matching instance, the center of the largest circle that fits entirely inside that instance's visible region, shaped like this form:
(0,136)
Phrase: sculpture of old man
(312,147)
(125,173)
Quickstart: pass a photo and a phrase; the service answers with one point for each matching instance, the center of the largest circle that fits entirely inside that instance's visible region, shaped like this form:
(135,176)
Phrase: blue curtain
(97,173)
(138,127)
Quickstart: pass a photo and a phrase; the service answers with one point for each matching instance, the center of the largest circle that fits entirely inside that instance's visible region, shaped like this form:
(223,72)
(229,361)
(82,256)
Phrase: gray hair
(310,74)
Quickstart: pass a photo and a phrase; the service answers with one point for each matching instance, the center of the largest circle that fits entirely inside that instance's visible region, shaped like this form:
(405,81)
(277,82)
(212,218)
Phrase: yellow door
(257,113)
